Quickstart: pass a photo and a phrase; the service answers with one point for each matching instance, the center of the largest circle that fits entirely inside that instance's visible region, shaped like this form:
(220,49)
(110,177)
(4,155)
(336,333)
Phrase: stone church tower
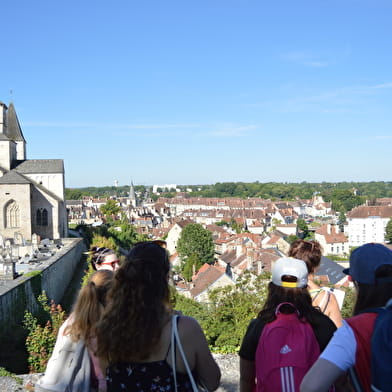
(31,191)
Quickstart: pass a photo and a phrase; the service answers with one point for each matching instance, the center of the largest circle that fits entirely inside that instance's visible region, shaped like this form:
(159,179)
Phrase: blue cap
(365,260)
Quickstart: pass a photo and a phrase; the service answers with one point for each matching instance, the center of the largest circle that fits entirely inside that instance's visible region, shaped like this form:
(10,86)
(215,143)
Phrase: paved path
(228,364)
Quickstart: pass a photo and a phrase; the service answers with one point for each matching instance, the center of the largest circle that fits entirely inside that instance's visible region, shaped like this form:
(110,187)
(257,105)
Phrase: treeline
(343,195)
(97,192)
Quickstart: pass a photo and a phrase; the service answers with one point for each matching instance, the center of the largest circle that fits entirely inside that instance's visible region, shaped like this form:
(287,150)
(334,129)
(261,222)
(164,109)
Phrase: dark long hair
(299,297)
(138,304)
(308,251)
(374,295)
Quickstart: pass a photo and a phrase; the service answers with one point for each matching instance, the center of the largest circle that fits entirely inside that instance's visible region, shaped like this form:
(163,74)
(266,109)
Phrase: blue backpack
(381,346)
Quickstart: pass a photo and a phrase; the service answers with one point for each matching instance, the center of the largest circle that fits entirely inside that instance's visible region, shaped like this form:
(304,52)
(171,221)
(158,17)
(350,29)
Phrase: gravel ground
(228,364)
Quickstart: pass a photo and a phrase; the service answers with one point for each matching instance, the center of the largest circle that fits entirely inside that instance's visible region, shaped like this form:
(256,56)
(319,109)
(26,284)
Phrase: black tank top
(145,377)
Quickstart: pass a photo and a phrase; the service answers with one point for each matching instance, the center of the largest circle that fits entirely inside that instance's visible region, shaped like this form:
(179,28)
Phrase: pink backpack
(286,350)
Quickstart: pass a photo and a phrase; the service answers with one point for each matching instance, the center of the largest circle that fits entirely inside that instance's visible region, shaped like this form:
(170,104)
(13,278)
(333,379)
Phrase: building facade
(367,224)
(31,191)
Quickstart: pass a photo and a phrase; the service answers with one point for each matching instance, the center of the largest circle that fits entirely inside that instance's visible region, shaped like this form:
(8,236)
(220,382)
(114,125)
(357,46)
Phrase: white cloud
(384,85)
(232,130)
(305,58)
(109,126)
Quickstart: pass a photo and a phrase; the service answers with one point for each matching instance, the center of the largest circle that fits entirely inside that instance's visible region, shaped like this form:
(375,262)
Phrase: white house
(367,224)
(332,240)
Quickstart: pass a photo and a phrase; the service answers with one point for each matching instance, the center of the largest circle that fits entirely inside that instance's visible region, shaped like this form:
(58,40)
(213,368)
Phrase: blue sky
(198,92)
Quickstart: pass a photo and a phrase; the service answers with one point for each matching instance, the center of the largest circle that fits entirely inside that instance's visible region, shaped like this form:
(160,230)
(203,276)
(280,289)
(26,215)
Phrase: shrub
(41,338)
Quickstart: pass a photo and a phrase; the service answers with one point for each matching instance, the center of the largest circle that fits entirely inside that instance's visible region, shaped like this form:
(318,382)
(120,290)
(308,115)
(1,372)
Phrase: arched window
(42,217)
(12,214)
(39,217)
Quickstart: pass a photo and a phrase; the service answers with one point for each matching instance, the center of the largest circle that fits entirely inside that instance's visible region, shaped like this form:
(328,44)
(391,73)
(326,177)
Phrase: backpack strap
(325,300)
(277,310)
(355,382)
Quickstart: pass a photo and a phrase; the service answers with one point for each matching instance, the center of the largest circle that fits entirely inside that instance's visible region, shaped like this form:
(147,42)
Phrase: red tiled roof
(366,211)
(334,236)
(205,278)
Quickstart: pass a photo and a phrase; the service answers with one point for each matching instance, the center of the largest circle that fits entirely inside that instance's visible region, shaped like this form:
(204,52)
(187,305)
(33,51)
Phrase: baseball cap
(292,267)
(365,260)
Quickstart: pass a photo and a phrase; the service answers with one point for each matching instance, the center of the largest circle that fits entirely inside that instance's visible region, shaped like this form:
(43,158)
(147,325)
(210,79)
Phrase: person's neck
(311,284)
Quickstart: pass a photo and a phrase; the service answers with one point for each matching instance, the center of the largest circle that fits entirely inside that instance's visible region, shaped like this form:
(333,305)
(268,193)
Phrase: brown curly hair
(138,303)
(308,251)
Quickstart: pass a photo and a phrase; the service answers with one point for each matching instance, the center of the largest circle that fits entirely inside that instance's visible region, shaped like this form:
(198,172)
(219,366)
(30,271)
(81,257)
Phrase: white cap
(292,267)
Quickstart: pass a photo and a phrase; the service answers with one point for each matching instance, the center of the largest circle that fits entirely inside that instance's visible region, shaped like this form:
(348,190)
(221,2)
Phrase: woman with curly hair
(134,334)
(310,252)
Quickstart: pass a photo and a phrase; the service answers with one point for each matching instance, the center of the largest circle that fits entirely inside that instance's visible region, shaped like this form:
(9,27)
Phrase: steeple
(14,132)
(132,195)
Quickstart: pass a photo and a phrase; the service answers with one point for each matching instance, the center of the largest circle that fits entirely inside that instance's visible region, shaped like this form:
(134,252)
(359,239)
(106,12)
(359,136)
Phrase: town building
(332,240)
(31,191)
(367,224)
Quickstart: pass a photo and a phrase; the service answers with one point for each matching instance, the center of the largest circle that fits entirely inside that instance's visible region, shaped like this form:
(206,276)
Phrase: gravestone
(18,238)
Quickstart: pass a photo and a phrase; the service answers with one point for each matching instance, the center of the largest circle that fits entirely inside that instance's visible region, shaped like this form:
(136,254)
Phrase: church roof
(41,166)
(13,177)
(14,131)
(3,137)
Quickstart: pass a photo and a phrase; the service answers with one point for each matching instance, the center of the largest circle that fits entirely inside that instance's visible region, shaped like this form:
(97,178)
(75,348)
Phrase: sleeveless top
(145,377)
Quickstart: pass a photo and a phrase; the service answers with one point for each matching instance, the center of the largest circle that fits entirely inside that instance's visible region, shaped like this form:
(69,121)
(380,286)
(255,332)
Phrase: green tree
(302,225)
(125,234)
(291,238)
(110,208)
(73,194)
(232,308)
(349,301)
(192,264)
(388,231)
(196,241)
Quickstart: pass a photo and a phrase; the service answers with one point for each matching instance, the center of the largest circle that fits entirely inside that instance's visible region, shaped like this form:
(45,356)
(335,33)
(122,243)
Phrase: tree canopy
(388,231)
(110,208)
(196,244)
(354,193)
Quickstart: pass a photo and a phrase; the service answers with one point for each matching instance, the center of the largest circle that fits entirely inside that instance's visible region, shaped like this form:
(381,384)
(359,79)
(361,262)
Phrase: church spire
(132,194)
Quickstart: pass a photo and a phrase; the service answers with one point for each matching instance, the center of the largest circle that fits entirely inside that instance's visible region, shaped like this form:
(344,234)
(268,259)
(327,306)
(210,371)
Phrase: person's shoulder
(187,324)
(322,320)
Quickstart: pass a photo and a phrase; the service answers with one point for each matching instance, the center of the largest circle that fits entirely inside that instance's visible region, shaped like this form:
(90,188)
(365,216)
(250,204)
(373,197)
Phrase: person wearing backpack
(350,349)
(287,336)
(310,252)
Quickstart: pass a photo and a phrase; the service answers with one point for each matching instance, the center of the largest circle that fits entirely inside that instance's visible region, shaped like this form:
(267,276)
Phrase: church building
(31,190)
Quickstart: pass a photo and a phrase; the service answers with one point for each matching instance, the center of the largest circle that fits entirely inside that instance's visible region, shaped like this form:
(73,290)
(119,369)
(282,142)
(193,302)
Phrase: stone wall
(52,276)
